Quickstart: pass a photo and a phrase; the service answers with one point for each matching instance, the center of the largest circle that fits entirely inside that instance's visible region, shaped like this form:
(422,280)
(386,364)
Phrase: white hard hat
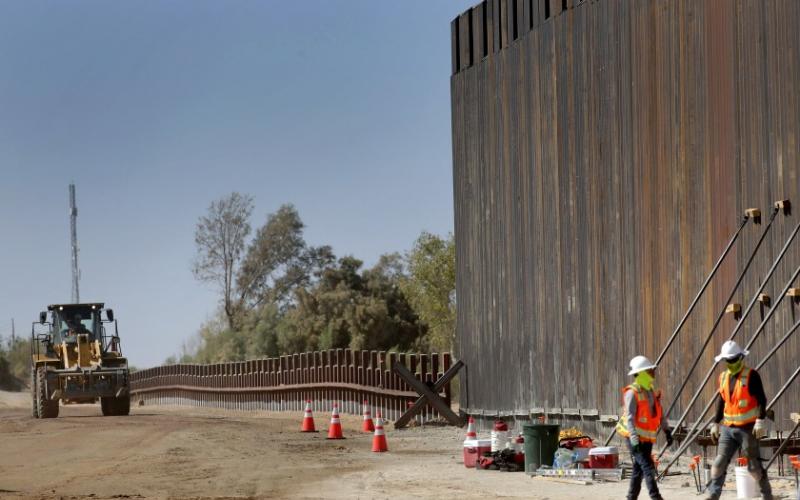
(730,349)
(640,364)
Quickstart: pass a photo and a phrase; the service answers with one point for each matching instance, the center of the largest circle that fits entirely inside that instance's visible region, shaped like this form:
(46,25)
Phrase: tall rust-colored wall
(604,152)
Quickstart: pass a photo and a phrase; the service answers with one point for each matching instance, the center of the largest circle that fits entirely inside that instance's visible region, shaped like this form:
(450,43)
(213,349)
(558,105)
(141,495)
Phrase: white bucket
(499,440)
(745,484)
(518,444)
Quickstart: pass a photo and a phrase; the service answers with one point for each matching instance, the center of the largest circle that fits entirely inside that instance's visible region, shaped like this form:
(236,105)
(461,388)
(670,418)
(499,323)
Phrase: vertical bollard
(243,385)
(240,384)
(347,363)
(374,377)
(251,379)
(213,378)
(319,377)
(260,384)
(435,373)
(448,394)
(337,395)
(280,375)
(412,367)
(303,375)
(401,404)
(231,382)
(424,371)
(270,383)
(356,374)
(296,401)
(391,383)
(287,395)
(313,375)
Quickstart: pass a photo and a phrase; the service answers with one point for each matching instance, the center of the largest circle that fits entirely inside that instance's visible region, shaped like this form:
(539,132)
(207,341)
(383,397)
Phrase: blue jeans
(643,468)
(730,440)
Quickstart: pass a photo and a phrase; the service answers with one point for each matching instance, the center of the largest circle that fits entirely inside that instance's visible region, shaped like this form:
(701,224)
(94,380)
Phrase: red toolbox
(605,457)
(474,450)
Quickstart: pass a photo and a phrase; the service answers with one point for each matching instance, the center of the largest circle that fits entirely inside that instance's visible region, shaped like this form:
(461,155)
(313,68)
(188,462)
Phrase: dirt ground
(178,452)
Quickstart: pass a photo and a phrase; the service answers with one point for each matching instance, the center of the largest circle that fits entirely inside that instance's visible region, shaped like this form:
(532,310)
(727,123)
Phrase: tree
(348,308)
(319,318)
(216,342)
(281,296)
(260,329)
(278,261)
(220,239)
(395,323)
(15,362)
(430,287)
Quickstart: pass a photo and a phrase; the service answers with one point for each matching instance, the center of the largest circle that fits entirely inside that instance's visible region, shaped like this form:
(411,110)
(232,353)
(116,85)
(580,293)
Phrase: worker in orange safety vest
(641,420)
(741,409)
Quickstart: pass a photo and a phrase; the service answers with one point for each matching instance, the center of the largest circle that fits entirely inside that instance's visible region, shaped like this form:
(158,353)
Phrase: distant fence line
(345,376)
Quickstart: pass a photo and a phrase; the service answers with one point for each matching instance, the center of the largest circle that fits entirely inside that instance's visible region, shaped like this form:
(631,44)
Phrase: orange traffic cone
(379,438)
(471,434)
(367,425)
(308,419)
(335,429)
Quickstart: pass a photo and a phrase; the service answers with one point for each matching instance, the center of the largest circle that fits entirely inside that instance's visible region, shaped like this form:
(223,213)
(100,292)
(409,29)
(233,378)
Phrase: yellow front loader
(76,362)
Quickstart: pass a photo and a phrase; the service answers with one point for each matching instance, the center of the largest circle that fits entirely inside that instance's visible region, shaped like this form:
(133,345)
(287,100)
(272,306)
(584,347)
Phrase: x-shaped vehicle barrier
(429,395)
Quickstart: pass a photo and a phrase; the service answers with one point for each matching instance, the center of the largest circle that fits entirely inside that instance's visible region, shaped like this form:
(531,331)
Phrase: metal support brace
(784,444)
(428,394)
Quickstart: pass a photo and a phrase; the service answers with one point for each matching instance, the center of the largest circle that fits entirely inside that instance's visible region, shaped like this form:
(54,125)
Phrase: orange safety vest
(645,423)
(741,408)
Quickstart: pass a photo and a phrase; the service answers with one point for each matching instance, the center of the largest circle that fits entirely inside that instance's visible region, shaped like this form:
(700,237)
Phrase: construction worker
(74,327)
(741,408)
(640,422)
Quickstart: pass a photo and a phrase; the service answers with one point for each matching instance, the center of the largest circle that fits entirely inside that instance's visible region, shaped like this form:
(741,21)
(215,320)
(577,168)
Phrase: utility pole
(13,332)
(73,219)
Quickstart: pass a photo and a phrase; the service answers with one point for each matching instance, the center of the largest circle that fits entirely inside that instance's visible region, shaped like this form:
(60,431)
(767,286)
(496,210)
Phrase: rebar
(783,446)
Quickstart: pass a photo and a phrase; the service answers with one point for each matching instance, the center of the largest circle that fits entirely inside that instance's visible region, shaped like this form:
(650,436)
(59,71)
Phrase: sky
(155,109)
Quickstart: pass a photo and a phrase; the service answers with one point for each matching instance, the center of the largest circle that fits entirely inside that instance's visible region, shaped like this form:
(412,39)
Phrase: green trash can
(541,443)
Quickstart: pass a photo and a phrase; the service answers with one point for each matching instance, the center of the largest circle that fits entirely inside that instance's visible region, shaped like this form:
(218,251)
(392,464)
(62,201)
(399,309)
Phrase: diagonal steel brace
(427,394)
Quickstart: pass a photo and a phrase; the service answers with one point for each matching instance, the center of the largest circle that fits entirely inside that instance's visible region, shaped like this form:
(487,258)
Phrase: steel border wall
(285,383)
(603,153)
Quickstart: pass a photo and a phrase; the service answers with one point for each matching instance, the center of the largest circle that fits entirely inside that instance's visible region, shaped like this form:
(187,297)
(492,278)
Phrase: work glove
(634,439)
(668,434)
(760,429)
(715,431)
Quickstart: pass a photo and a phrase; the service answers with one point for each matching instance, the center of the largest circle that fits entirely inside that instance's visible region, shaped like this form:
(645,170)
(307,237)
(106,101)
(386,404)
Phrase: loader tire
(115,406)
(45,408)
(123,405)
(34,408)
(105,406)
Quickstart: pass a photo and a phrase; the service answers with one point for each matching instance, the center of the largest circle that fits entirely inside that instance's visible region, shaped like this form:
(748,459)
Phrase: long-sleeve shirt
(629,400)
(756,389)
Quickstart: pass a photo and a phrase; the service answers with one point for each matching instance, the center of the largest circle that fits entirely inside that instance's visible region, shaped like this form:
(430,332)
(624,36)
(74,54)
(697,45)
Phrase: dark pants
(730,440)
(643,467)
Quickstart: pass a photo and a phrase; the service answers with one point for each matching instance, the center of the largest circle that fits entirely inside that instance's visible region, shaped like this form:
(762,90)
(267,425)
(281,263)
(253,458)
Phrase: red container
(604,458)
(474,450)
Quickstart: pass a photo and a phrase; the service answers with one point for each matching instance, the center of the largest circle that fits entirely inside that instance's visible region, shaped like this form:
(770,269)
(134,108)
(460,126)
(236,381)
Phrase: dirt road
(162,452)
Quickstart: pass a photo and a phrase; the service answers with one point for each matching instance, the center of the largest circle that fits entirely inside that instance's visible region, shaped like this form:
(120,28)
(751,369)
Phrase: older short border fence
(345,376)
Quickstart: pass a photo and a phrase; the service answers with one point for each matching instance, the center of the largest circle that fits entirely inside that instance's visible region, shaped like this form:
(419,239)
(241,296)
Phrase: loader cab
(69,320)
